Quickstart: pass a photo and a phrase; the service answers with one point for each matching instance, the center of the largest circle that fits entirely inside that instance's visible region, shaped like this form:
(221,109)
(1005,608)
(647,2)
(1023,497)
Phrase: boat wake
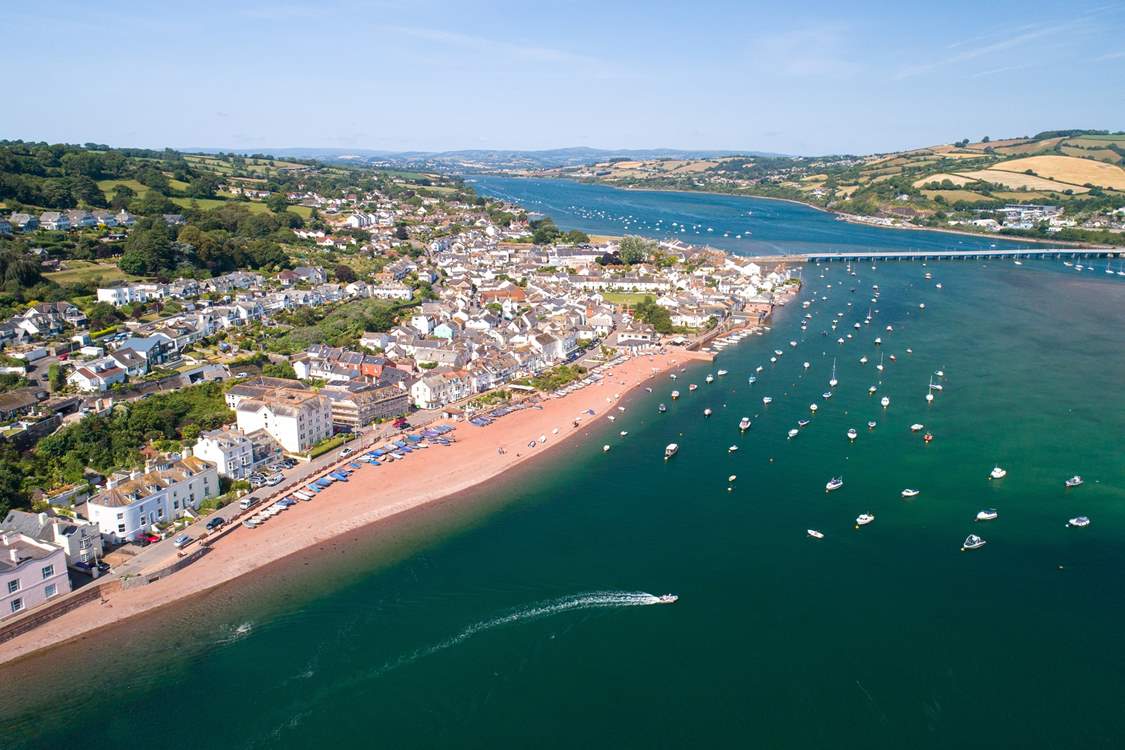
(594,600)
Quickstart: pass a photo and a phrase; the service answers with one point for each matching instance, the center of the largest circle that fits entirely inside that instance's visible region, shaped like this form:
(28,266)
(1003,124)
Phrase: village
(480,317)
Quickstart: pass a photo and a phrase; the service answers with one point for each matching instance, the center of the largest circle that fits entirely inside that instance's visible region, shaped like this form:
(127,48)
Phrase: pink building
(31,572)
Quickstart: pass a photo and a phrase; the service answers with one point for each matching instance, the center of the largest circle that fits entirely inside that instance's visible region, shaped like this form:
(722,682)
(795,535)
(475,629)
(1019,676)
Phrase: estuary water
(526,612)
(748,226)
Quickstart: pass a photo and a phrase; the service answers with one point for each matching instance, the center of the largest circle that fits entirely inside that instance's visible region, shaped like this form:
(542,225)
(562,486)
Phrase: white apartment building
(230,450)
(296,419)
(31,573)
(167,488)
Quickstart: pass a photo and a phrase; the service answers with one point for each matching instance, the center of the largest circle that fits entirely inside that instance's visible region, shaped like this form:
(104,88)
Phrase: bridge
(876,256)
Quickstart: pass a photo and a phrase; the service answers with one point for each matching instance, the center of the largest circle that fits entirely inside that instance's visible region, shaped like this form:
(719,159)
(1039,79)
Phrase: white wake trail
(593,600)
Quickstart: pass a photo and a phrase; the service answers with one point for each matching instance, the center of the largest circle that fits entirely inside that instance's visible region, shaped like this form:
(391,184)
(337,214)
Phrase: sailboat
(879,366)
(832,383)
(930,392)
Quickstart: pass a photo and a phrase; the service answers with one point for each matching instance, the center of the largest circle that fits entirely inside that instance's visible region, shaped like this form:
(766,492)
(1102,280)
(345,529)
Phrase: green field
(625,298)
(79,271)
(209,203)
(107,186)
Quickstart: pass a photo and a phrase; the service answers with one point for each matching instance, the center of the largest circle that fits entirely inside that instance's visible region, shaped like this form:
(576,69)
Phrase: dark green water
(486,622)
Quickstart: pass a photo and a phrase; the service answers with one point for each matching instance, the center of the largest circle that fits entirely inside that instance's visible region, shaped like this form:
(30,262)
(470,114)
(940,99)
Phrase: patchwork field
(952,196)
(1070,170)
(1019,180)
(956,179)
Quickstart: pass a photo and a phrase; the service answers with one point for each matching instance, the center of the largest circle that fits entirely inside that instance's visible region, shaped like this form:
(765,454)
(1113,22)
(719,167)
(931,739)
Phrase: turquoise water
(750,226)
(520,613)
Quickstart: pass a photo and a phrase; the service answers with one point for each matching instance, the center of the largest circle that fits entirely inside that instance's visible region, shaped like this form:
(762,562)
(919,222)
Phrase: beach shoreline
(371,497)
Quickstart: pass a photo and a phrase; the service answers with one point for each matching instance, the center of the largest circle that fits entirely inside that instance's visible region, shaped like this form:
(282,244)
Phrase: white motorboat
(871,425)
(662,408)
(921,305)
(802,422)
(878,341)
(863,519)
(997,473)
(670,450)
(972,541)
(793,433)
(911,493)
(759,368)
(863,359)
(773,360)
(834,484)
(752,379)
(722,373)
(692,387)
(793,344)
(707,412)
(814,534)
(731,478)
(813,407)
(988,514)
(929,398)
(1074,481)
(673,376)
(885,401)
(1079,522)
(667,599)
(826,395)
(744,424)
(852,434)
(890,329)
(872,389)
(778,352)
(611,418)
(732,449)
(675,395)
(940,373)
(623,433)
(605,448)
(806,365)
(709,379)
(767,400)
(917,427)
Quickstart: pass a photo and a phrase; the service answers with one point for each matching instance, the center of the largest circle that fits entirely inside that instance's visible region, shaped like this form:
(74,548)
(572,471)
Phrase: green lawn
(79,271)
(625,298)
(209,203)
(107,186)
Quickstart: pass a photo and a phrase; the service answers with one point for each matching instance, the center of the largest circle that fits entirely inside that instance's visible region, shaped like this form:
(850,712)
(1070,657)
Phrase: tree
(277,203)
(400,232)
(635,249)
(123,195)
(55,377)
(344,274)
(656,316)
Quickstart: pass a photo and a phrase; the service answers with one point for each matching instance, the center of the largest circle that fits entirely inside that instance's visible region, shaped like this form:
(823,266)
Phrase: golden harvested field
(1101,154)
(690,167)
(952,196)
(961,155)
(1098,140)
(956,179)
(1029,148)
(1025,195)
(846,190)
(1019,180)
(979,146)
(1069,170)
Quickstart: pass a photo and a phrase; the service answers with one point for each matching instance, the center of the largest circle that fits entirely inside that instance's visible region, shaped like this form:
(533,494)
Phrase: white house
(31,573)
(230,450)
(297,419)
(168,488)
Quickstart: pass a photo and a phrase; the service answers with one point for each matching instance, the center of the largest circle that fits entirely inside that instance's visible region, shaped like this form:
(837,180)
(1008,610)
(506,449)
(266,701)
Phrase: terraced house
(166,489)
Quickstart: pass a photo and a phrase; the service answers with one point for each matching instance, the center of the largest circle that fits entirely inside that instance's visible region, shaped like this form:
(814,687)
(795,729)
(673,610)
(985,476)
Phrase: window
(13,585)
(120,516)
(48,571)
(50,590)
(120,528)
(17,605)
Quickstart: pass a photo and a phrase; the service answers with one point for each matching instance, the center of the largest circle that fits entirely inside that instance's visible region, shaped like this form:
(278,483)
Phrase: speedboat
(611,418)
(852,434)
(813,407)
(709,379)
(940,373)
(752,380)
(759,368)
(834,483)
(910,493)
(670,450)
(623,433)
(673,376)
(916,427)
(997,473)
(707,412)
(815,534)
(793,433)
(732,449)
(675,395)
(871,425)
(605,448)
(692,387)
(806,365)
(871,390)
(667,599)
(885,401)
(1074,481)
(648,390)
(826,395)
(1079,521)
(863,519)
(878,341)
(778,352)
(988,514)
(773,360)
(863,359)
(793,343)
(767,400)
(972,541)
(722,373)
(662,408)
(802,422)
(744,424)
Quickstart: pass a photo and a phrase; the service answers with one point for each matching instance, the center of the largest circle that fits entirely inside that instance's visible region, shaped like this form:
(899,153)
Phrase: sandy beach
(372,494)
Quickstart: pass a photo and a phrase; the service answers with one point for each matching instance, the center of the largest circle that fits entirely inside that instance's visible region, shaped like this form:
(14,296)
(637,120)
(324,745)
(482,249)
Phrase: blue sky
(796,77)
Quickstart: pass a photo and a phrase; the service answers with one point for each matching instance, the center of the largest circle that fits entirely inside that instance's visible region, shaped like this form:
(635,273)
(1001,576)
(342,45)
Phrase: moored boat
(1074,481)
(1079,522)
(834,484)
(997,473)
(910,492)
(671,450)
(988,514)
(863,519)
(744,424)
(972,541)
(815,534)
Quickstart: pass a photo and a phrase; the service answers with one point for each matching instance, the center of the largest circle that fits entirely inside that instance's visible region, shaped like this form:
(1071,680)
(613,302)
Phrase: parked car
(215,523)
(152,537)
(142,541)
(346,452)
(274,479)
(247,502)
(181,540)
